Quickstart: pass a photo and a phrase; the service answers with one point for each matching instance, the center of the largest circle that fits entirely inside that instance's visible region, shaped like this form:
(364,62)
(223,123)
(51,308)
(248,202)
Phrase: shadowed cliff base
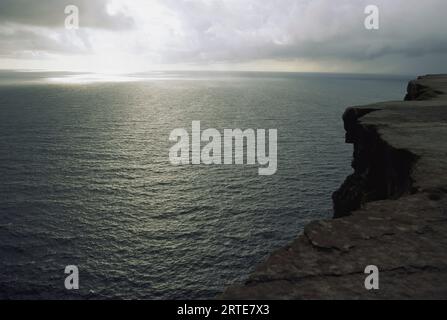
(392,211)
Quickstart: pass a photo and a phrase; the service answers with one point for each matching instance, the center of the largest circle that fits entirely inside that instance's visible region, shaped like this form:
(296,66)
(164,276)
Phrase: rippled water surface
(85,179)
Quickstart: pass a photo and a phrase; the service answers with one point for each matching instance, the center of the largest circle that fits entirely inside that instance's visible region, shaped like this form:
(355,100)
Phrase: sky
(124,36)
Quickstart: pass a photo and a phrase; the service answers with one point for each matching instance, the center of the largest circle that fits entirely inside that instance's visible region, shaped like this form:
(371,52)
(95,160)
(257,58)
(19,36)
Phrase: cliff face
(380,170)
(392,211)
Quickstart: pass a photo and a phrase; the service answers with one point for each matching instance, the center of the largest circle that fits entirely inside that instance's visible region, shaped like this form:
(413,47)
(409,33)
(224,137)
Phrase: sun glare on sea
(93,78)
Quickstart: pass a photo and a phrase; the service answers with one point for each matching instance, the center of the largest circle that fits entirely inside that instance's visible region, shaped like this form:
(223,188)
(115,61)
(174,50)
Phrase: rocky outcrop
(380,170)
(427,88)
(392,211)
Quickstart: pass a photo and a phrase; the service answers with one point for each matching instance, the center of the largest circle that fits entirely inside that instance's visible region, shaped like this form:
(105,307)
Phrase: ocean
(85,177)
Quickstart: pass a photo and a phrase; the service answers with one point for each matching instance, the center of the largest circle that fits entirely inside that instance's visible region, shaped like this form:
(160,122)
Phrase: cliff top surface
(395,207)
(419,126)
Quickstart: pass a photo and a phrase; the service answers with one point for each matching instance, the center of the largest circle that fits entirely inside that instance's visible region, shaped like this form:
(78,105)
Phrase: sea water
(85,178)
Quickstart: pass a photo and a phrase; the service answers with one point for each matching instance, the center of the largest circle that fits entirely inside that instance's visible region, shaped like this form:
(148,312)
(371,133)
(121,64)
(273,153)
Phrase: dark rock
(380,171)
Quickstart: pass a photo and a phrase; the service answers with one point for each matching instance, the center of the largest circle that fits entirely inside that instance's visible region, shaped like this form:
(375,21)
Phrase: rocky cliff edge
(391,212)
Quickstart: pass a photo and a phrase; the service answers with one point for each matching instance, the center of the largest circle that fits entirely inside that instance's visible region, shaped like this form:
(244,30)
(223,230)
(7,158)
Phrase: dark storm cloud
(50,13)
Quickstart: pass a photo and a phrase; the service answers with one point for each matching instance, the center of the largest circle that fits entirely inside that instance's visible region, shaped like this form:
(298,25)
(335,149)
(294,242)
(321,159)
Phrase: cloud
(50,13)
(319,28)
(233,32)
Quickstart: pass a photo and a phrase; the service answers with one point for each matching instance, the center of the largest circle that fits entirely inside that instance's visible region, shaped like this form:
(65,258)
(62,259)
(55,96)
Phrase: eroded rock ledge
(392,211)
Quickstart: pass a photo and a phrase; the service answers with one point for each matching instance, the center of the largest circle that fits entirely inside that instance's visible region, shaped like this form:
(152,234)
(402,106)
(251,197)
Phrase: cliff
(391,212)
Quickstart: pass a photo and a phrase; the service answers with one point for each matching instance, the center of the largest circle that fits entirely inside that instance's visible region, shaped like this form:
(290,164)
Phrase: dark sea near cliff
(85,178)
